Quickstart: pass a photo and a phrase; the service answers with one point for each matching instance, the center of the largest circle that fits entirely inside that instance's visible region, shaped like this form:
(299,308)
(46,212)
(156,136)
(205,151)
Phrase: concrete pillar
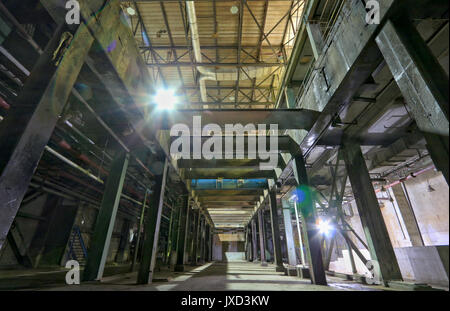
(290,246)
(99,246)
(31,120)
(195,236)
(151,228)
(375,230)
(262,238)
(307,208)
(181,237)
(407,213)
(275,224)
(423,83)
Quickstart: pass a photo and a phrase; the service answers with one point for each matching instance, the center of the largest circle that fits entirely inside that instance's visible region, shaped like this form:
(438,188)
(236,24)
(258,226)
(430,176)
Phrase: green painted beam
(101,239)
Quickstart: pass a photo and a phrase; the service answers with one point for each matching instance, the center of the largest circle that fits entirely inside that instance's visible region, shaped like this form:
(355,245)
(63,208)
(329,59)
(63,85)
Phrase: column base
(179,268)
(303,272)
(264,264)
(290,271)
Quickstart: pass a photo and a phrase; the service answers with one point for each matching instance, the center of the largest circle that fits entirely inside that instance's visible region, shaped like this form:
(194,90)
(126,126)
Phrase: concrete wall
(228,247)
(430,208)
(423,264)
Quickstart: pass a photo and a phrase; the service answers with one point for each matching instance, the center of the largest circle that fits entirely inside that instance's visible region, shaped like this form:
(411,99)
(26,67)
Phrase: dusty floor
(215,277)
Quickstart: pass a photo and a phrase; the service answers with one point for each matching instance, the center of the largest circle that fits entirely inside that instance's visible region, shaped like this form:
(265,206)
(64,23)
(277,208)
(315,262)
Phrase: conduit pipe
(251,72)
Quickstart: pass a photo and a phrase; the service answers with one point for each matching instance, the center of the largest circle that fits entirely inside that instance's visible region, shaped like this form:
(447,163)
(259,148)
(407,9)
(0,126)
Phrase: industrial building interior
(355,98)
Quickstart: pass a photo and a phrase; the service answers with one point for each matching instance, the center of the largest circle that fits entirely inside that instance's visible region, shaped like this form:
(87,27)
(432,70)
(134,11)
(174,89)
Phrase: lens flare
(165,99)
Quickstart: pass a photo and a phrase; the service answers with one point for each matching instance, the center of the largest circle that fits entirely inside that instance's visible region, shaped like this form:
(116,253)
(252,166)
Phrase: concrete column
(307,208)
(275,230)
(30,122)
(254,241)
(262,242)
(423,83)
(151,229)
(375,230)
(196,215)
(290,246)
(181,237)
(407,213)
(99,246)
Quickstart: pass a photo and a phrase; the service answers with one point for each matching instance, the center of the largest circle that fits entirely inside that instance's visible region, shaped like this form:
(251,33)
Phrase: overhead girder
(242,173)
(285,118)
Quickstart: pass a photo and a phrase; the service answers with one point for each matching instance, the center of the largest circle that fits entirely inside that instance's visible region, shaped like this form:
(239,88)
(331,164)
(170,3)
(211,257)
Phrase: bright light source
(131,11)
(165,99)
(324,227)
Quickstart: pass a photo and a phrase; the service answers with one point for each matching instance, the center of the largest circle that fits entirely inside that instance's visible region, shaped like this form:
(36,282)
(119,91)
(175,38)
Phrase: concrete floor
(240,276)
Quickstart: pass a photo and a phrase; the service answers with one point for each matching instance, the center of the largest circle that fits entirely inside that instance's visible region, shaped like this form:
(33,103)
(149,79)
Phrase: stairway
(77,249)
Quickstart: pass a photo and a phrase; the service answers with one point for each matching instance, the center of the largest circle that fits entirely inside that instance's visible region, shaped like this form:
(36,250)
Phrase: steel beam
(151,229)
(377,236)
(101,239)
(228,173)
(285,118)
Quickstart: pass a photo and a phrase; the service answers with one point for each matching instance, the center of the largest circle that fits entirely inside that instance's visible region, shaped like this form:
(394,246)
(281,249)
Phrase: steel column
(181,238)
(138,238)
(262,242)
(99,246)
(307,207)
(377,236)
(290,246)
(275,225)
(151,228)
(254,241)
(196,215)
